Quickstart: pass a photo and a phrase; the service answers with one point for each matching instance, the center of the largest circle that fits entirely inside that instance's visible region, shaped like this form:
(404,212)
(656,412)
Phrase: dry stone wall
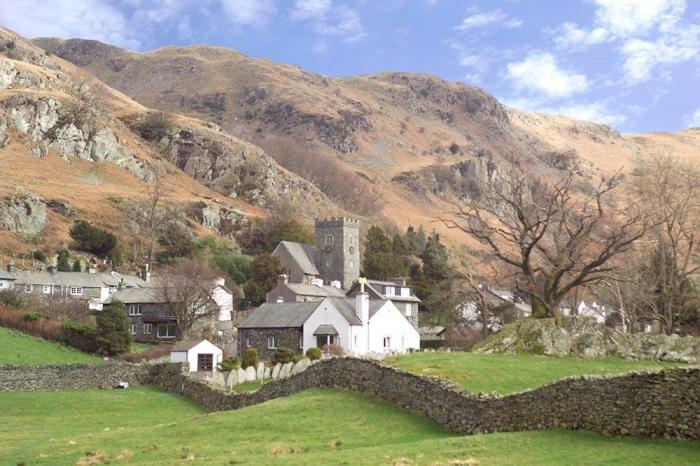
(663,403)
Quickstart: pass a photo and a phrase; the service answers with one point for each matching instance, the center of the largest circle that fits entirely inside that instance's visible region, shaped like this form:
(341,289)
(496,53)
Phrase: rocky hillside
(396,144)
(71,148)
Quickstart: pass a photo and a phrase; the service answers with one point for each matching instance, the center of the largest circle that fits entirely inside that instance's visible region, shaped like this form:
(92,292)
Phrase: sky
(632,64)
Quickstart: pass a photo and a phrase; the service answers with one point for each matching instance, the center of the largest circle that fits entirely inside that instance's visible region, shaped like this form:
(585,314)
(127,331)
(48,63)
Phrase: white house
(223,297)
(358,325)
(202,356)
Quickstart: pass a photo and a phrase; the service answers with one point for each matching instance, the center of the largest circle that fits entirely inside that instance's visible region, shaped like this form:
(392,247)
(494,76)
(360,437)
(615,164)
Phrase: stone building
(397,291)
(285,292)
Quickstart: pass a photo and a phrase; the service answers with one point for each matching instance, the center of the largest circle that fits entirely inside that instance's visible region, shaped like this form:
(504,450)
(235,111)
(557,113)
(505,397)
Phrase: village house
(494,298)
(358,325)
(397,291)
(286,292)
(7,279)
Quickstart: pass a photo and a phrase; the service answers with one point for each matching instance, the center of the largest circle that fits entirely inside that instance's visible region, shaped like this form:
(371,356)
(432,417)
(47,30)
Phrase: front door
(205,362)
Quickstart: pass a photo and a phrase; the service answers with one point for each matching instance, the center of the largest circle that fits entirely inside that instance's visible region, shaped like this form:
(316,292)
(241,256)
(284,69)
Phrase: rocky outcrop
(227,222)
(23,212)
(71,131)
(583,336)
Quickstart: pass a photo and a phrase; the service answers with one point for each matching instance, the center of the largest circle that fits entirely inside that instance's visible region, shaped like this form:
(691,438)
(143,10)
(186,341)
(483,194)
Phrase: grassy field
(140,347)
(145,426)
(22,349)
(505,373)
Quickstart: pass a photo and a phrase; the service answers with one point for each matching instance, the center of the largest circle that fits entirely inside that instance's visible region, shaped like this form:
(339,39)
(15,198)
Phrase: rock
(276,371)
(241,375)
(218,378)
(232,379)
(250,374)
(300,366)
(4,137)
(267,373)
(260,371)
(62,207)
(286,370)
(24,212)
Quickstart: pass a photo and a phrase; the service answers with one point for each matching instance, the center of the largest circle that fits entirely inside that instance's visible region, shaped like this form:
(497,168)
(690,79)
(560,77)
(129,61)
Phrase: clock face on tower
(329,249)
(352,249)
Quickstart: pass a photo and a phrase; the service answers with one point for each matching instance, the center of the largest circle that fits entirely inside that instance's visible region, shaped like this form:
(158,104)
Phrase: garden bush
(32,316)
(112,334)
(250,357)
(285,355)
(230,363)
(79,336)
(314,353)
(10,298)
(333,350)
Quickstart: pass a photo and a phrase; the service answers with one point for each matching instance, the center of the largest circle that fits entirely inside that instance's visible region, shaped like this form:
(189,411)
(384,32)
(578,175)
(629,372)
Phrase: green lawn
(506,373)
(22,349)
(145,426)
(140,347)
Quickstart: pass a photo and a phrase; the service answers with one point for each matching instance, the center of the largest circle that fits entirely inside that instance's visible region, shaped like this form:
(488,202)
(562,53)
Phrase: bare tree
(552,235)
(186,289)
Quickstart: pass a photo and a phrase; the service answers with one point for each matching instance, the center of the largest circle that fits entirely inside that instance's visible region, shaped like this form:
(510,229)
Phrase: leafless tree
(186,289)
(552,235)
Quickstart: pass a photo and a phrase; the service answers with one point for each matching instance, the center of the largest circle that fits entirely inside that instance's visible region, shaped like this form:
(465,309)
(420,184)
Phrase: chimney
(400,281)
(145,273)
(279,300)
(11,267)
(283,279)
(121,283)
(92,269)
(362,307)
(51,269)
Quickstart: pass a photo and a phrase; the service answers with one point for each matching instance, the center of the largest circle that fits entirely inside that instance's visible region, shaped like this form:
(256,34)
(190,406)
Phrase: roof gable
(304,255)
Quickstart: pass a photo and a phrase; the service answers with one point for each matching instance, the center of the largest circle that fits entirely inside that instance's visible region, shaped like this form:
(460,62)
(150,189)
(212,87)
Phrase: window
(271,342)
(389,291)
(301,342)
(133,329)
(329,240)
(166,330)
(247,342)
(205,362)
(323,340)
(147,329)
(387,343)
(112,289)
(76,291)
(2,284)
(403,342)
(46,289)
(356,340)
(408,310)
(28,288)
(134,309)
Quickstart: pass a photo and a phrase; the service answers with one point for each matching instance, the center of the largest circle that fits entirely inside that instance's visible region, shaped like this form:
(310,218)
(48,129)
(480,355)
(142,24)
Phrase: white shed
(202,355)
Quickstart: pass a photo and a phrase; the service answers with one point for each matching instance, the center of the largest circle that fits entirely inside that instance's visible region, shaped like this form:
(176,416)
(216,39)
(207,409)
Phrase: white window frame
(356,340)
(247,342)
(2,283)
(390,291)
(28,288)
(272,340)
(147,329)
(386,340)
(134,329)
(301,342)
(166,326)
(134,310)
(46,289)
(408,311)
(76,290)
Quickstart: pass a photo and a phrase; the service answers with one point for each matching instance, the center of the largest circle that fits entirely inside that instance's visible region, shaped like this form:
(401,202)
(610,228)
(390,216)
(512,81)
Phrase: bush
(231,363)
(285,355)
(314,353)
(113,336)
(432,344)
(10,298)
(333,350)
(155,126)
(31,316)
(63,261)
(79,336)
(40,256)
(250,357)
(92,239)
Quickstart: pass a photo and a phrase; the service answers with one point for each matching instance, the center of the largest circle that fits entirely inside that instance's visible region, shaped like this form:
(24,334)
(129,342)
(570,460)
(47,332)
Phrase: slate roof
(303,254)
(5,275)
(187,345)
(304,289)
(136,296)
(324,329)
(376,286)
(280,315)
(346,306)
(81,279)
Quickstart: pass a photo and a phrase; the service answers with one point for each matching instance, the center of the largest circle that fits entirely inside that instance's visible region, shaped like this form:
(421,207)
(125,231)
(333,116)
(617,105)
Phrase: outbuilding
(201,355)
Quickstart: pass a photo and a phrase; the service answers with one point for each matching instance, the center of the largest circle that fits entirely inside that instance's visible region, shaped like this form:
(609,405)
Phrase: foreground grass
(145,426)
(21,349)
(508,373)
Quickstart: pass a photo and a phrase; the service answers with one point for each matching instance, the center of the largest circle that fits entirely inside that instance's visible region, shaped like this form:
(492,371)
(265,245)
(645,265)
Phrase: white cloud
(489,18)
(329,20)
(643,57)
(627,18)
(597,112)
(539,73)
(570,36)
(249,12)
(88,19)
(694,119)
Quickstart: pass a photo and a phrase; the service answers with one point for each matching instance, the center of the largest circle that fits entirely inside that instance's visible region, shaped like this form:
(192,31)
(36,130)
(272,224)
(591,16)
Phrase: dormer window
(389,290)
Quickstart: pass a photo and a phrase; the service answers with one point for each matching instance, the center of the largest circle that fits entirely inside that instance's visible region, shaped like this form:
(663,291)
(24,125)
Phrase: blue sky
(633,64)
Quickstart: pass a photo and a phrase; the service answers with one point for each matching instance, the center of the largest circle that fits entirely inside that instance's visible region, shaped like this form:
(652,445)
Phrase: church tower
(338,250)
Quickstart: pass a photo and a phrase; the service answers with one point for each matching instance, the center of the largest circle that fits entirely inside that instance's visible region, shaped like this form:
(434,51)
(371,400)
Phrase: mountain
(395,145)
(71,148)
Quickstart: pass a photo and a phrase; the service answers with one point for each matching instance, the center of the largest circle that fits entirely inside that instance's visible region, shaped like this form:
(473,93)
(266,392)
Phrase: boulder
(241,375)
(250,374)
(286,370)
(218,378)
(260,371)
(300,366)
(232,379)
(276,371)
(267,373)
(23,212)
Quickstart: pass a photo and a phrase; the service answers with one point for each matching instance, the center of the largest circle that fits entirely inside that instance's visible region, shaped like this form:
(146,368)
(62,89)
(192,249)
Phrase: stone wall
(70,376)
(257,338)
(661,403)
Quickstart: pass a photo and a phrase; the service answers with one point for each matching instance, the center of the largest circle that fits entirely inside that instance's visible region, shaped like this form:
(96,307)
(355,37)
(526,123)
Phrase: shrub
(250,357)
(432,344)
(40,256)
(79,336)
(10,298)
(77,266)
(93,239)
(32,316)
(113,336)
(333,350)
(63,263)
(314,353)
(285,355)
(231,363)
(155,126)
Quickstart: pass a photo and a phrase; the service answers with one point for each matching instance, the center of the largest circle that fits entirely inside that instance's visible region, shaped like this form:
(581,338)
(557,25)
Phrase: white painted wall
(390,322)
(327,314)
(224,300)
(190,356)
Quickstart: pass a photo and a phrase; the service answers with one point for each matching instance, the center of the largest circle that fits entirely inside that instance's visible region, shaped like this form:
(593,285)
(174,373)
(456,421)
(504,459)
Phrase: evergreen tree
(433,283)
(266,269)
(435,258)
(378,258)
(415,240)
(288,230)
(112,335)
(77,266)
(63,261)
